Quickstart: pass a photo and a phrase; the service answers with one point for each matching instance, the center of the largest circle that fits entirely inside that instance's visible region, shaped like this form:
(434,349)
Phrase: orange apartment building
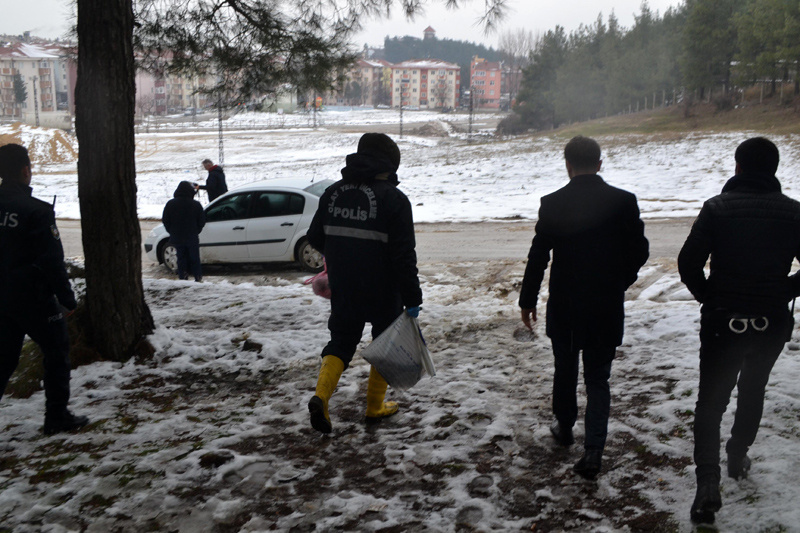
(486,82)
(426,84)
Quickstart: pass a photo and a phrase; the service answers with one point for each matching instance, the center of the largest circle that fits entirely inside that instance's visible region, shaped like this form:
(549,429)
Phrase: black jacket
(598,245)
(183,216)
(215,183)
(365,230)
(31,256)
(752,233)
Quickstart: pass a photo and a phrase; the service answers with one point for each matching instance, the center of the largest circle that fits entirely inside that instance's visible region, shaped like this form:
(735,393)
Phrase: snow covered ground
(212,435)
(447,178)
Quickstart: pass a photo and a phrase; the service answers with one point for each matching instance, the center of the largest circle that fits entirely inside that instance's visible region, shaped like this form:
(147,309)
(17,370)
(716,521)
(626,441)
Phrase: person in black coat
(597,240)
(34,288)
(364,228)
(215,182)
(751,231)
(184,219)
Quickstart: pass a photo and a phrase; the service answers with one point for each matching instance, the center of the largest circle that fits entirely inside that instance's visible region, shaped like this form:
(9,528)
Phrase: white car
(263,222)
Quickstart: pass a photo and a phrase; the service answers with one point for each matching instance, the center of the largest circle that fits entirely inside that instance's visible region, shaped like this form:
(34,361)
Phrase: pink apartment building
(486,83)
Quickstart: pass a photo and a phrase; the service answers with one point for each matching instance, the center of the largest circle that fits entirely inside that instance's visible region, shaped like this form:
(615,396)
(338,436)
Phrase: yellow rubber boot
(376,391)
(329,374)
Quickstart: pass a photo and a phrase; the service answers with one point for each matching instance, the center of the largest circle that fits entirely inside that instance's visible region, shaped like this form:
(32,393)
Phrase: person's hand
(413,312)
(528,316)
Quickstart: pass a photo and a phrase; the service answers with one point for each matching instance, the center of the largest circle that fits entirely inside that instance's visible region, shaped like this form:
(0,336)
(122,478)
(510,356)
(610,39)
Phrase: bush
(513,124)
(724,103)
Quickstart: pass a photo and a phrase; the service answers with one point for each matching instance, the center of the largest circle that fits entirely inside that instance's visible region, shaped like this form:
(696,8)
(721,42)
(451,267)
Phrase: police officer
(365,229)
(34,288)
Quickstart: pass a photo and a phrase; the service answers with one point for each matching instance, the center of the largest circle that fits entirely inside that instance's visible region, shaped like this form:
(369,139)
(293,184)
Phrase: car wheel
(308,257)
(168,255)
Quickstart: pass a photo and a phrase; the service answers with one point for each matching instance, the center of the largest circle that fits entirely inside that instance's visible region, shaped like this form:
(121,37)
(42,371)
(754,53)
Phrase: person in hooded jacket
(751,231)
(364,228)
(184,219)
(215,182)
(34,288)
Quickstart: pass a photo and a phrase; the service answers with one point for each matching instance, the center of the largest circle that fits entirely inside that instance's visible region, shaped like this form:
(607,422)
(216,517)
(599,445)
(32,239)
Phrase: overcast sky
(50,18)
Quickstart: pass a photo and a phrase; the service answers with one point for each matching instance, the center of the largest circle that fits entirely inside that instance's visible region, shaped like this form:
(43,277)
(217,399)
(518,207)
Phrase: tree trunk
(117,316)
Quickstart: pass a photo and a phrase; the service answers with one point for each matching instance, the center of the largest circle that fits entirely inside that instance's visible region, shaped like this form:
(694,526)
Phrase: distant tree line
(700,50)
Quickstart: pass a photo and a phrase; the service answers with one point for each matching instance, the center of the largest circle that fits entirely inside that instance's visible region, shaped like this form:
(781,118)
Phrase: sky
(50,18)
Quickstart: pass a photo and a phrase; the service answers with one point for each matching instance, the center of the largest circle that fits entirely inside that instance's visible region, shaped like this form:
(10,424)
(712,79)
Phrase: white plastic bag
(399,354)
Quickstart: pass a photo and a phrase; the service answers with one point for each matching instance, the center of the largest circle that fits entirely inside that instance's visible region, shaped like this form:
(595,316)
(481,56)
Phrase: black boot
(738,466)
(563,435)
(589,465)
(706,503)
(63,421)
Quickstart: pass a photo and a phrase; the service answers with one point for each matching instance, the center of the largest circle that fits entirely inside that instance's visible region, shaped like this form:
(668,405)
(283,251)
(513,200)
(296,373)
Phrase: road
(446,242)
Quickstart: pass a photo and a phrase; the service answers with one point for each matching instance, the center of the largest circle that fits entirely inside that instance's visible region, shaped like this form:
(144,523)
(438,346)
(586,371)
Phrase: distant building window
(397,90)
(450,73)
(491,93)
(480,73)
(491,82)
(441,72)
(414,90)
(413,72)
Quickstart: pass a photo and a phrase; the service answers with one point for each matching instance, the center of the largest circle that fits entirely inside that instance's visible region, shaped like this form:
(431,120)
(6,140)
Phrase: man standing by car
(184,219)
(215,182)
(364,228)
(34,288)
(751,231)
(598,245)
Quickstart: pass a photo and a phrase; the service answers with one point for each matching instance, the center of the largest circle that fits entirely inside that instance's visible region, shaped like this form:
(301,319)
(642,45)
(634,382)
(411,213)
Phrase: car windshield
(319,187)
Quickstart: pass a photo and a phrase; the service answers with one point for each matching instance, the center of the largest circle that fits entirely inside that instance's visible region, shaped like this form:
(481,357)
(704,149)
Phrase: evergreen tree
(709,43)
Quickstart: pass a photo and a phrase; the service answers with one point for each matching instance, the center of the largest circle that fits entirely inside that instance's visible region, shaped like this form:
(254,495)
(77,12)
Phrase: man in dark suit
(598,245)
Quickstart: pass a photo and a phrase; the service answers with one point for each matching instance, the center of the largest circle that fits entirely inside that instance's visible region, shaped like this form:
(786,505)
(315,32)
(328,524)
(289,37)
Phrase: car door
(274,220)
(224,237)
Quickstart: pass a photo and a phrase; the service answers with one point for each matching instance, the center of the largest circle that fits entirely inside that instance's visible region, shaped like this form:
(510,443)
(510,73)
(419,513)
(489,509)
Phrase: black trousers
(45,324)
(729,359)
(346,325)
(189,261)
(596,373)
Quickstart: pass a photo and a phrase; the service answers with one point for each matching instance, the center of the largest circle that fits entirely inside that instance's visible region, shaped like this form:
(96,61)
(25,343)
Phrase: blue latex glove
(413,312)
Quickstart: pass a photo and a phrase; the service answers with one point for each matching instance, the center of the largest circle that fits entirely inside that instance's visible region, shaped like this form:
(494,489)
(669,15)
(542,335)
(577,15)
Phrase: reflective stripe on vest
(356,233)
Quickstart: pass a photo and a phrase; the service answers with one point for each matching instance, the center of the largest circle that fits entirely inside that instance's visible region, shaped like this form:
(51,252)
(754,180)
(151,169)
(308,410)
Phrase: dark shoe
(562,435)
(199,280)
(738,466)
(706,503)
(65,421)
(319,415)
(589,465)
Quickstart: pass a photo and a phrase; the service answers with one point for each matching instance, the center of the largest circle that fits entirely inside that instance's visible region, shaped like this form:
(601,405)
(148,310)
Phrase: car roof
(278,183)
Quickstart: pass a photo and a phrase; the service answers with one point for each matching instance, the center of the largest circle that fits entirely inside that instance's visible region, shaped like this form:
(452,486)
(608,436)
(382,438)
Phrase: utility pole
(471,109)
(219,120)
(402,88)
(35,100)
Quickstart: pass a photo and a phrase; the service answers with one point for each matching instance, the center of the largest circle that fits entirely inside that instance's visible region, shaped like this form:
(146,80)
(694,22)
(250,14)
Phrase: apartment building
(486,83)
(426,84)
(44,72)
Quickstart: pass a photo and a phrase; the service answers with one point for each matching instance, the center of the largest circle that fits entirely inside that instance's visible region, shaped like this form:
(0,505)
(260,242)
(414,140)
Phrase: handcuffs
(740,325)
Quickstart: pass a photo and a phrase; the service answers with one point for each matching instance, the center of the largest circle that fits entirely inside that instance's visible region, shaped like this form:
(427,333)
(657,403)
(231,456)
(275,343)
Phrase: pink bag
(319,283)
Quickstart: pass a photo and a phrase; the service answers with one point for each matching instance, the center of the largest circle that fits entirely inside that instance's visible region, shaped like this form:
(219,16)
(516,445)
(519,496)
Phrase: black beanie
(379,144)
